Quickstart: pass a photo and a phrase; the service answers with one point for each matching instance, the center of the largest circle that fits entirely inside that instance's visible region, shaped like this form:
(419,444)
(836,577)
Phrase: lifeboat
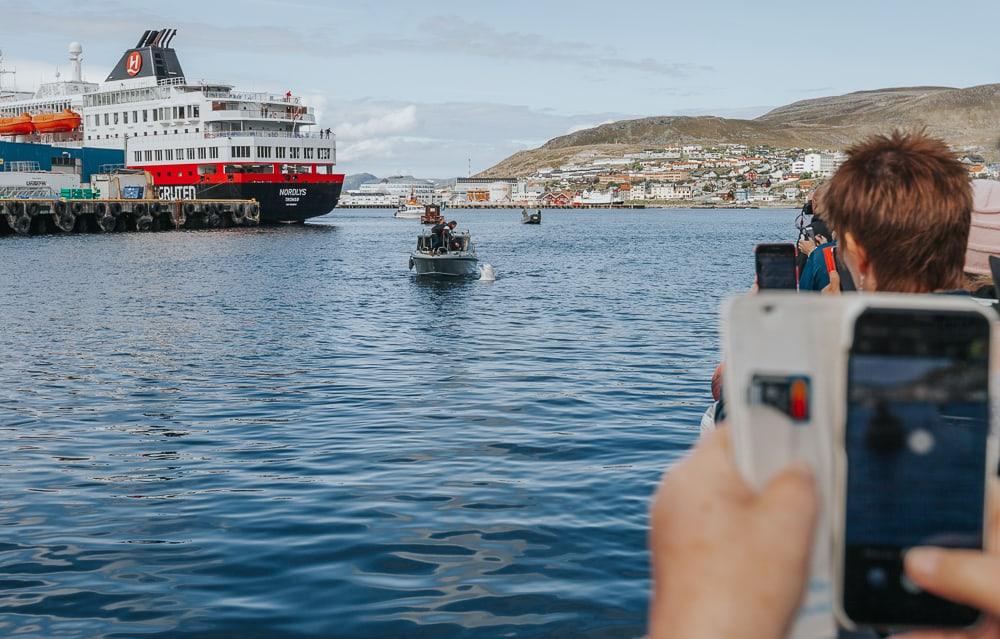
(21,125)
(61,122)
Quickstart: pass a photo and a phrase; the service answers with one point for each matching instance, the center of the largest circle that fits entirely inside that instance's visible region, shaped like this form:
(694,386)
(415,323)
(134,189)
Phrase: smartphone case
(769,340)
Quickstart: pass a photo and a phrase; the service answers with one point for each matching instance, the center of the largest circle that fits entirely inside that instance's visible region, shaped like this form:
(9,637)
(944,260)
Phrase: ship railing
(260,114)
(271,134)
(254,97)
(20,166)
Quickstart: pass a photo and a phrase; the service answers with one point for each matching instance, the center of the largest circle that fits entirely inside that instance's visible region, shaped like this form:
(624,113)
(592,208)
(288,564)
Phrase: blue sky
(421,87)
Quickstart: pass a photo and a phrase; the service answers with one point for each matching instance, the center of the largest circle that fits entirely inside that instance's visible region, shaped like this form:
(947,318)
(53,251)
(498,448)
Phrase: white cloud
(583,127)
(391,122)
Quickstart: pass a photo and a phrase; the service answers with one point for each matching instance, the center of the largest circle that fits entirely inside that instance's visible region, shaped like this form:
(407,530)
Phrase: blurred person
(901,208)
(815,275)
(984,238)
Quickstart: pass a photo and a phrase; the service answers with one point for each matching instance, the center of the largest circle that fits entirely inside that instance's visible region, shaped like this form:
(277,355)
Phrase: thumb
(969,577)
(790,504)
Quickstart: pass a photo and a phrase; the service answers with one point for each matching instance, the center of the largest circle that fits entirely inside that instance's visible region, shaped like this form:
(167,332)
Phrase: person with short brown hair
(901,207)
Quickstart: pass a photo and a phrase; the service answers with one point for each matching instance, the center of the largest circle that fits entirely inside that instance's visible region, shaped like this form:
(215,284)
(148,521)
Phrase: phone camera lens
(877,577)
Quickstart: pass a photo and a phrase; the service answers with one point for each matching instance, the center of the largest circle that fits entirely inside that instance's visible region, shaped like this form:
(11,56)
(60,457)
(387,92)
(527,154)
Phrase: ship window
(137,155)
(248,168)
(307,153)
(155,114)
(135,116)
(293,169)
(125,117)
(213,152)
(324,169)
(105,119)
(201,153)
(190,154)
(240,151)
(115,117)
(279,152)
(149,156)
(169,153)
(197,111)
(263,151)
(145,115)
(207,169)
(323,154)
(293,153)
(180,154)
(159,155)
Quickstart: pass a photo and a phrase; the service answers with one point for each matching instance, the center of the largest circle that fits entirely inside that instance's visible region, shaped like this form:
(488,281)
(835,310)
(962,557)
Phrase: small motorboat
(458,259)
(432,215)
(531,216)
(412,209)
(409,211)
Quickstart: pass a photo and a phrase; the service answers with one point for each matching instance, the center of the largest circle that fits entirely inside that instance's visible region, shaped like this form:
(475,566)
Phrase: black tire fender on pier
(189,209)
(115,208)
(77,208)
(63,217)
(239,215)
(22,224)
(107,220)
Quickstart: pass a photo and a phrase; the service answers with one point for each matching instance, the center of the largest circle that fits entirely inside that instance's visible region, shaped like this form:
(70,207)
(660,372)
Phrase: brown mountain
(964,117)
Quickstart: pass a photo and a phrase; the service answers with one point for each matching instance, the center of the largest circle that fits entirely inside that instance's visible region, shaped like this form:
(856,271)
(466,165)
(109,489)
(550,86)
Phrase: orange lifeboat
(21,125)
(56,122)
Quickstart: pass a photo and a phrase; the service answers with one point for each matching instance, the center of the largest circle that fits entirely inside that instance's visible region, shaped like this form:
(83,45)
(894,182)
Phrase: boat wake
(487,273)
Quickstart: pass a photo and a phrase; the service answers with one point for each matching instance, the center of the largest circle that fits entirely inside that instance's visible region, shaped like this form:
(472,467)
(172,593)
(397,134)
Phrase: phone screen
(916,444)
(776,266)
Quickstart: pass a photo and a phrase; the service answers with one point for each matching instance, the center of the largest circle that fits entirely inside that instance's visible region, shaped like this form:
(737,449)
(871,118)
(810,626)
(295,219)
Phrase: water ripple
(282,433)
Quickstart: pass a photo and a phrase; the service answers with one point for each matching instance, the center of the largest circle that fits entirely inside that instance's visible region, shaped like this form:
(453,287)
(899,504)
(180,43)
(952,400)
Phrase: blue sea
(283,433)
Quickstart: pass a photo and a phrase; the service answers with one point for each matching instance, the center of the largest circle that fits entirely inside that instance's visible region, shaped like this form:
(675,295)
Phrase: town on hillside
(690,175)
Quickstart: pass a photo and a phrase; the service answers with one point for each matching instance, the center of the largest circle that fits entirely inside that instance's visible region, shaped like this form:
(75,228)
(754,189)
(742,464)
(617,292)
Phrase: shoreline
(603,207)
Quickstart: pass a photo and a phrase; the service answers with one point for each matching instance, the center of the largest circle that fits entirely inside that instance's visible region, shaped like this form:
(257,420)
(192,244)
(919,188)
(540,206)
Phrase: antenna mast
(3,72)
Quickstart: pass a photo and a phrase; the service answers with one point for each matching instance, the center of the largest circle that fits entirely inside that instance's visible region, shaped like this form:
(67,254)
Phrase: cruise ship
(196,139)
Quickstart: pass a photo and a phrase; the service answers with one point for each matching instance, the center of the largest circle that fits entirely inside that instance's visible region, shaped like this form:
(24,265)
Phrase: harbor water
(283,433)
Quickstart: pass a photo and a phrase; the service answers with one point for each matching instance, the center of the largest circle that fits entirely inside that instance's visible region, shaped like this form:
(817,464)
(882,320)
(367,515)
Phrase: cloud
(394,121)
(101,19)
(591,125)
(438,139)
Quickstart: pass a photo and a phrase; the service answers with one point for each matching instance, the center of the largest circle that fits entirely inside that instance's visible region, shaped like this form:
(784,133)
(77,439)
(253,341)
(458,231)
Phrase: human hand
(833,288)
(728,562)
(965,576)
(807,245)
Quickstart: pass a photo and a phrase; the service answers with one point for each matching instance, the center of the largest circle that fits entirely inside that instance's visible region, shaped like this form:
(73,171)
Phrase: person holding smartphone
(730,563)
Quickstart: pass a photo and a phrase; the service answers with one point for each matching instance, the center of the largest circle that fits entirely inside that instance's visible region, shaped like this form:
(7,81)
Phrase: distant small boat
(459,259)
(531,216)
(432,215)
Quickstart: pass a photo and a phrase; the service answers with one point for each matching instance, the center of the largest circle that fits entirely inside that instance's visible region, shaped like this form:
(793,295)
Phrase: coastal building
(357,197)
(402,188)
(483,190)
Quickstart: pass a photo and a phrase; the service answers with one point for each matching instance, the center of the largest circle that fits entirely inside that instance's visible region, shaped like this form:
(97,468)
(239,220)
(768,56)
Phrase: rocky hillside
(964,117)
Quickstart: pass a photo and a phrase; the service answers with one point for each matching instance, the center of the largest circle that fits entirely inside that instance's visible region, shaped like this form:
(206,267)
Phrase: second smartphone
(917,445)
